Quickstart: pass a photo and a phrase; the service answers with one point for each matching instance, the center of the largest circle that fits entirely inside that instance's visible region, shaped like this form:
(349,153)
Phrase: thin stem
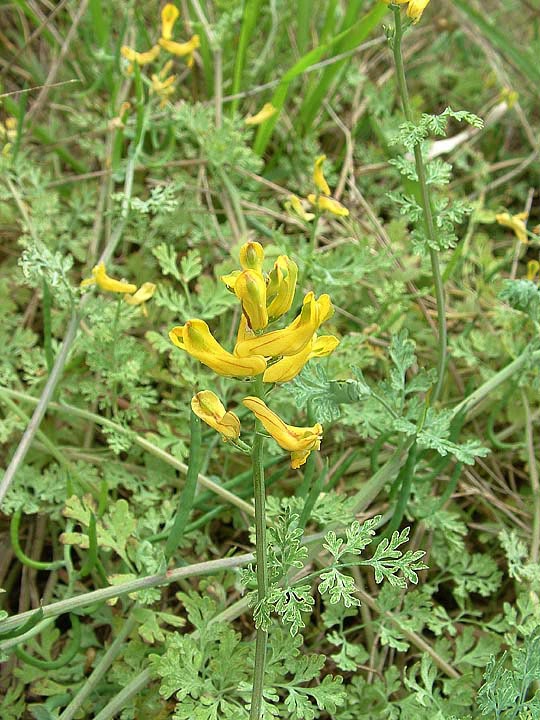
(476,397)
(187,496)
(99,671)
(426,207)
(150,581)
(257,459)
(535,481)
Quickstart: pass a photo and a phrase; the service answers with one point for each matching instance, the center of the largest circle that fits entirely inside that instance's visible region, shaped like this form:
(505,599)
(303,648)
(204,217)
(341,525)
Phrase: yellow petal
(288,367)
(195,338)
(323,346)
(252,256)
(288,437)
(143,294)
(415,9)
(103,281)
(169,16)
(318,176)
(140,58)
(288,341)
(230,279)
(281,286)
(250,289)
(209,408)
(533,267)
(294,204)
(264,113)
(181,49)
(299,441)
(329,204)
(516,223)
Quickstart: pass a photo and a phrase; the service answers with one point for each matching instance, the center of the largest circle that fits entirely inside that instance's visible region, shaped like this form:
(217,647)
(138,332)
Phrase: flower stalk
(426,207)
(257,459)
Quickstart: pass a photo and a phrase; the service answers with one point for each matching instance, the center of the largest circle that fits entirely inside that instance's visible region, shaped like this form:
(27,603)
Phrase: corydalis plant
(268,356)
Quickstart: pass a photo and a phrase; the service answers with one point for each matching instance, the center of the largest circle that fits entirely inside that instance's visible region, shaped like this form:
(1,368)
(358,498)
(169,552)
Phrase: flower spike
(299,441)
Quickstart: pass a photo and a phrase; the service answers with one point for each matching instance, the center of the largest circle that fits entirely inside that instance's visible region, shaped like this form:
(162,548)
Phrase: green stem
(47,333)
(257,459)
(207,567)
(187,496)
(99,671)
(426,207)
(19,553)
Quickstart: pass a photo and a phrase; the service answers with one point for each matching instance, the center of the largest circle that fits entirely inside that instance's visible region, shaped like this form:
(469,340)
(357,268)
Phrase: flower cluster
(278,355)
(415,8)
(162,82)
(321,200)
(132,294)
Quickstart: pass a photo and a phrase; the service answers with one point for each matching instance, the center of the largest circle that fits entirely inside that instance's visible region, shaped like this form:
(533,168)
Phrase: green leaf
(166,256)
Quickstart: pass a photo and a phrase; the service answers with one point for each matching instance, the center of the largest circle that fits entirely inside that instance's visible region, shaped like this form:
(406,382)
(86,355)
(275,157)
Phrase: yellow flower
(281,286)
(516,222)
(264,113)
(252,256)
(195,338)
(162,86)
(288,367)
(103,281)
(533,267)
(250,289)
(415,9)
(144,293)
(169,16)
(141,58)
(318,176)
(299,441)
(294,204)
(329,204)
(207,406)
(182,49)
(292,339)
